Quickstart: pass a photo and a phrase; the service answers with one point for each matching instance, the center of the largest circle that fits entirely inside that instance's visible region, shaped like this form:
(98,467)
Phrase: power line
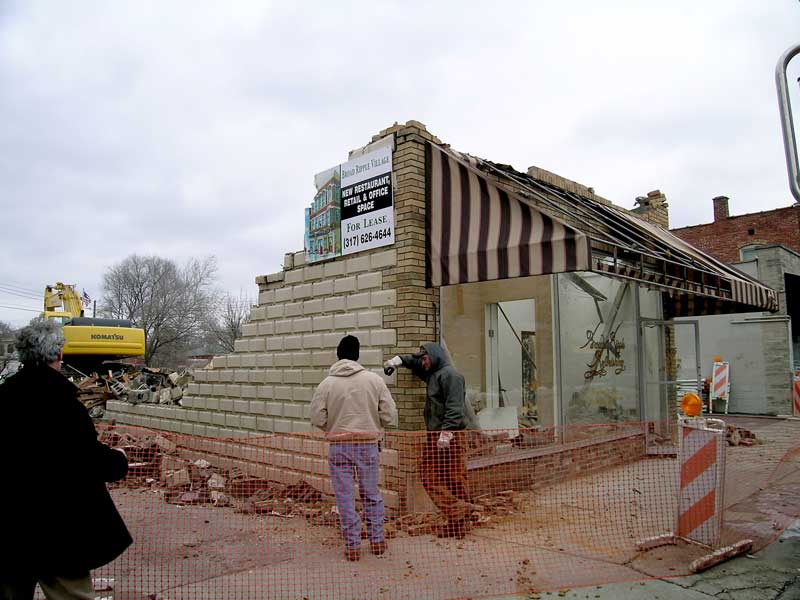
(21,288)
(36,310)
(12,292)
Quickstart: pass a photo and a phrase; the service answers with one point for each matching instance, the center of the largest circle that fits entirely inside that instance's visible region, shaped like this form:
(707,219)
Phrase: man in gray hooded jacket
(443,467)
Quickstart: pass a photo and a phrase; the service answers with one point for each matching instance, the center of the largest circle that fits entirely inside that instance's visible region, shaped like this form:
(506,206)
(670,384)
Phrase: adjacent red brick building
(727,235)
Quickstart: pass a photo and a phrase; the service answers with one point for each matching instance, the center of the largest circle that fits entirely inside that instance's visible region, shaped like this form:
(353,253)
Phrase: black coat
(56,515)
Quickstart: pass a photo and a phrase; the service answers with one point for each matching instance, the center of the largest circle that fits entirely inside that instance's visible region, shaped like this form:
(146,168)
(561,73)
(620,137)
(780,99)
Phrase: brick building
(539,288)
(728,235)
(763,349)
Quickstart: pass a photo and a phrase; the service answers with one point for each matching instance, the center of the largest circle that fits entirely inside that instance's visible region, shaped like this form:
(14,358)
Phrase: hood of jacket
(437,355)
(345,368)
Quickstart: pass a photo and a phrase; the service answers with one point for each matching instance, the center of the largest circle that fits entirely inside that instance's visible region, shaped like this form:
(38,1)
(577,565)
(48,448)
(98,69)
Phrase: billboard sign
(367,211)
(352,209)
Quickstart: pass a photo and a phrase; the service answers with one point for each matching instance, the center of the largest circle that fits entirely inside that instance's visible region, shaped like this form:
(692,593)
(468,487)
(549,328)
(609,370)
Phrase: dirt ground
(577,533)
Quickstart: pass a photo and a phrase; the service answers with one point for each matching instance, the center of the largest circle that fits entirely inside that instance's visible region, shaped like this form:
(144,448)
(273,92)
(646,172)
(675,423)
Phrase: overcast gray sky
(187,129)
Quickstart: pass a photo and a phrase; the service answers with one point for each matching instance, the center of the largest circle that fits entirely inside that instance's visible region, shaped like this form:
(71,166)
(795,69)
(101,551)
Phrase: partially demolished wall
(266,385)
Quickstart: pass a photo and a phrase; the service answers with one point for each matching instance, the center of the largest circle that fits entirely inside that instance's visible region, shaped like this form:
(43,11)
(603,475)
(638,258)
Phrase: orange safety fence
(529,511)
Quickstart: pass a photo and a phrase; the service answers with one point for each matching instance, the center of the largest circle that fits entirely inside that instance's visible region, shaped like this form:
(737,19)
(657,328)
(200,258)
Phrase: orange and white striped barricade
(698,517)
(701,455)
(796,396)
(720,384)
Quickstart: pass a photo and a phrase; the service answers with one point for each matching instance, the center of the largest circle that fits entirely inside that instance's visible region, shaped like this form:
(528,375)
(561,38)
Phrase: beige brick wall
(267,383)
(303,311)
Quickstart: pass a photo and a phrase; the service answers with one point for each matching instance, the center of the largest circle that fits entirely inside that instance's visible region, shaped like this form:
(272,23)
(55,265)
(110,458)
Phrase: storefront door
(670,368)
(511,377)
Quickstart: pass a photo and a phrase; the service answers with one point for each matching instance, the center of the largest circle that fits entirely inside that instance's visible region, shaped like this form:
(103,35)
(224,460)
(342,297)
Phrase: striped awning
(477,231)
(704,285)
(486,221)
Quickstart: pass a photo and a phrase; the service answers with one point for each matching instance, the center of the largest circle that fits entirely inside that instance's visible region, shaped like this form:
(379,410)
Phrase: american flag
(85,298)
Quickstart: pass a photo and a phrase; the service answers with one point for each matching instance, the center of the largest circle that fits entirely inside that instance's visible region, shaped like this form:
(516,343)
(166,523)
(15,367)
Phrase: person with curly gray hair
(40,343)
(57,519)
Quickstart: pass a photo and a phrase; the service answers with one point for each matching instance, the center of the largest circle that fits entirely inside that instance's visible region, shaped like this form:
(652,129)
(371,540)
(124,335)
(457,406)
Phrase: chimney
(720,208)
(653,208)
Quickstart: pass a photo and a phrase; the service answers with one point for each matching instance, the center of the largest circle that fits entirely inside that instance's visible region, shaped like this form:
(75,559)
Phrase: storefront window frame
(559,412)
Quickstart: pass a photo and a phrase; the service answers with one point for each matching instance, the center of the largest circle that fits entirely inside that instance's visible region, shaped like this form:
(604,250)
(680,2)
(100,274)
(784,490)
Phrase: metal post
(787,124)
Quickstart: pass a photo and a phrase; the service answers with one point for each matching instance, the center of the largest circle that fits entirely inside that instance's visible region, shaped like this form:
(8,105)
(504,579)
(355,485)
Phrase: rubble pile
(739,436)
(131,384)
(155,463)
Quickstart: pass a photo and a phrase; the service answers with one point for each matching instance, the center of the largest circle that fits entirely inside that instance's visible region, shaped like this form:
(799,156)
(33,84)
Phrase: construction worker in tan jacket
(352,405)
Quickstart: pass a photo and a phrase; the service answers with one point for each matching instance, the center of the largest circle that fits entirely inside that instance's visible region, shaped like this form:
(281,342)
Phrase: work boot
(378,548)
(352,554)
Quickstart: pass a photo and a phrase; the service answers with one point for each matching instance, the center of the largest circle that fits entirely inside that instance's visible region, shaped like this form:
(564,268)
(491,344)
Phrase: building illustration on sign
(323,218)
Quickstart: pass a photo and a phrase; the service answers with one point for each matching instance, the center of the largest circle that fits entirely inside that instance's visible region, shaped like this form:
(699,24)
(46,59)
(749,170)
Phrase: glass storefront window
(537,352)
(500,337)
(598,348)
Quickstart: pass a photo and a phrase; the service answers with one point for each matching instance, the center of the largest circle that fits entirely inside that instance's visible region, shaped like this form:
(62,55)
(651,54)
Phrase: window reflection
(598,348)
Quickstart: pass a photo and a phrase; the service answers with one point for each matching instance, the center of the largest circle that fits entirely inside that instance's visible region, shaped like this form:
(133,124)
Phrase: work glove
(444,440)
(390,365)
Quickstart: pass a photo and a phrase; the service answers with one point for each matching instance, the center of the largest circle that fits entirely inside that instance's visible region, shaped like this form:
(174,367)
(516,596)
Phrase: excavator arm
(62,296)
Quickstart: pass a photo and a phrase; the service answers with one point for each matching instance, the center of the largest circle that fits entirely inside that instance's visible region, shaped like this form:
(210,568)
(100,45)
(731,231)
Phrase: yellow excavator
(90,341)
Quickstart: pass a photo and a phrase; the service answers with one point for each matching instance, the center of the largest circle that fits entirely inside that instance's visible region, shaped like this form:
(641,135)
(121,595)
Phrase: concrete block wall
(266,384)
(773,263)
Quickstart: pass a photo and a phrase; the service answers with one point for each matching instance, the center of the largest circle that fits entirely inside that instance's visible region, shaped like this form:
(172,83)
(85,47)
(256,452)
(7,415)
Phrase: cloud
(193,128)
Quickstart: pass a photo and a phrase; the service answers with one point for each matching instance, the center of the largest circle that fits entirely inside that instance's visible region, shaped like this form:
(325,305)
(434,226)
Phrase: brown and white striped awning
(477,231)
(486,222)
(704,289)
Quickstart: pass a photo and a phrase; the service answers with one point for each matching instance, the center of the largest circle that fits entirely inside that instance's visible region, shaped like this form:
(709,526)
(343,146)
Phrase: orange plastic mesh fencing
(489,514)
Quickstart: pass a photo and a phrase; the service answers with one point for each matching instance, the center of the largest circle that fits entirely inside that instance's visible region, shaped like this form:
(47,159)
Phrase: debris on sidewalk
(488,508)
(155,462)
(739,436)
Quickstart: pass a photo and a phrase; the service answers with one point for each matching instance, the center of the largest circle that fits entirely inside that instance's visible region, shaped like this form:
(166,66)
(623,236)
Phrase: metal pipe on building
(787,124)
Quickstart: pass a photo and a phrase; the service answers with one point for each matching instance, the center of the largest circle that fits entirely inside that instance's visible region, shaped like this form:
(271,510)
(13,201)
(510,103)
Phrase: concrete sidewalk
(577,532)
(773,573)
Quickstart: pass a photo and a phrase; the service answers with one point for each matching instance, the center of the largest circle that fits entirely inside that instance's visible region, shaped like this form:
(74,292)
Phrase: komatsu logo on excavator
(105,336)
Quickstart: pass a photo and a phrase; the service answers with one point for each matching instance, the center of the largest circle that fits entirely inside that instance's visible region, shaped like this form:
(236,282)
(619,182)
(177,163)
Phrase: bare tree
(171,303)
(5,328)
(226,325)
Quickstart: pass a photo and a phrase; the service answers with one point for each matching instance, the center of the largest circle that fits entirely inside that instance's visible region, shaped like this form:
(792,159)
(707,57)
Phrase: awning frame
(623,246)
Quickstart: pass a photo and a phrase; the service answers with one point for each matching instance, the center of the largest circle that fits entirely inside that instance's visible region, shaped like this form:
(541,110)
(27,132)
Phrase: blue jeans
(348,461)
